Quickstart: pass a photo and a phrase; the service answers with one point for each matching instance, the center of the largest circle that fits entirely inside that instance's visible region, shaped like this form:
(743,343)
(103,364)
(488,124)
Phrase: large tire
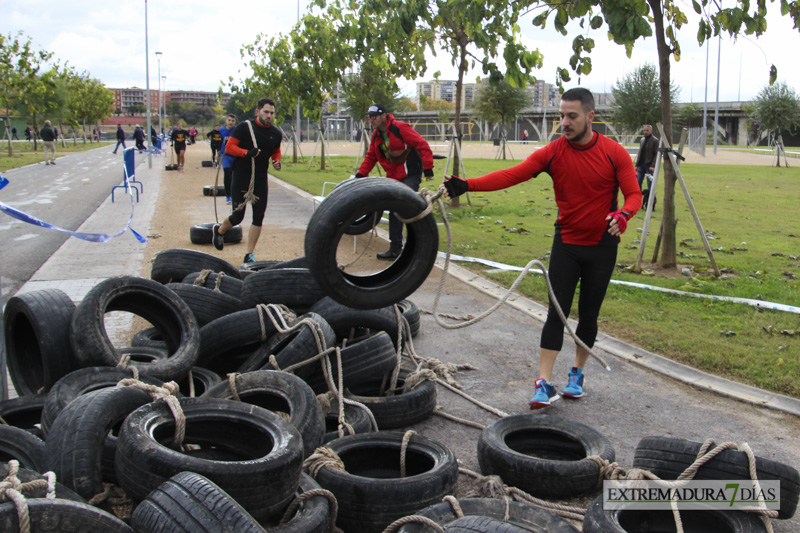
(28,449)
(364,223)
(371,493)
(410,312)
(175,264)
(599,520)
(292,347)
(204,233)
(279,392)
(37,339)
(224,340)
(348,322)
(81,382)
(362,362)
(24,412)
(206,304)
(668,458)
(64,516)
(399,410)
(292,287)
(529,517)
(76,441)
(189,502)
(346,205)
(265,453)
(543,455)
(217,281)
(149,338)
(149,300)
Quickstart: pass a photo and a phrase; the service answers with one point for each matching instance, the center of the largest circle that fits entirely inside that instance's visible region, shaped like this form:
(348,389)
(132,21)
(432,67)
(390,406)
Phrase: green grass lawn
(751,217)
(24,154)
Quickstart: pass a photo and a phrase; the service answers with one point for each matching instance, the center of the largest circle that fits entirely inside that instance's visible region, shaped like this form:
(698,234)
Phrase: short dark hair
(584,96)
(231,115)
(264,101)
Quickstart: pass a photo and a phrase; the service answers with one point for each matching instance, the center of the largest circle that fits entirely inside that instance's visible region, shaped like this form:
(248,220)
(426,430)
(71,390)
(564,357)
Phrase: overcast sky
(200,41)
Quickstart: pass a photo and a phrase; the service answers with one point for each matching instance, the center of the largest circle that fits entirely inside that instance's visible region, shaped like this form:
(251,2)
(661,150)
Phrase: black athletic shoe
(217,239)
(389,254)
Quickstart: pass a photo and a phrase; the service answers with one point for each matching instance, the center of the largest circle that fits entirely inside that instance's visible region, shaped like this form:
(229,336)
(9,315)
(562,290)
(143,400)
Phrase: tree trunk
(668,242)
(35,135)
(61,129)
(462,69)
(321,143)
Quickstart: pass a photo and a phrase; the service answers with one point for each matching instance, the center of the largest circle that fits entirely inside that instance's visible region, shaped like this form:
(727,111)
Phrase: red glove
(622,218)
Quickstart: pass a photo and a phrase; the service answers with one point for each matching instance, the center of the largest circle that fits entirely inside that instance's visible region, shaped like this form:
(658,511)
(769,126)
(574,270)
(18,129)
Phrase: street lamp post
(158,55)
(147,76)
(164,108)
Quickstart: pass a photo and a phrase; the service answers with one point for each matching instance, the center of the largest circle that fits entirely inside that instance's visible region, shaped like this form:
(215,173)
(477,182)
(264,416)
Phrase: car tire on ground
(543,455)
(174,264)
(203,234)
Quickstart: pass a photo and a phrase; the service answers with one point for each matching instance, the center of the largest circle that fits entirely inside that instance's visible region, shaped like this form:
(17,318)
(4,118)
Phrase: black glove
(359,175)
(428,172)
(456,186)
(251,152)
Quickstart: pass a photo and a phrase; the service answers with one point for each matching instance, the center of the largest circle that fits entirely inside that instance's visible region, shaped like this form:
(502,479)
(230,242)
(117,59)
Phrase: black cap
(376,109)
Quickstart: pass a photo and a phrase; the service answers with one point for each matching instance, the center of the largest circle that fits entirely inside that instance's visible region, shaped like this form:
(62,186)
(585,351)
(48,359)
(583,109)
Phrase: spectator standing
(524,136)
(138,137)
(120,138)
(49,136)
(14,133)
(646,158)
(403,154)
(588,170)
(28,133)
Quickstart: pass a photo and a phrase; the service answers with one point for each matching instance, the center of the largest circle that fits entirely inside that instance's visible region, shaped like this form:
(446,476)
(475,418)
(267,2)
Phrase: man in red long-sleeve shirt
(251,143)
(588,171)
(403,154)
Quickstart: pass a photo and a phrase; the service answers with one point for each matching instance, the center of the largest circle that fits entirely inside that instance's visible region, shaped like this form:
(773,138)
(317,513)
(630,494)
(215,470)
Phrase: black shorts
(180,147)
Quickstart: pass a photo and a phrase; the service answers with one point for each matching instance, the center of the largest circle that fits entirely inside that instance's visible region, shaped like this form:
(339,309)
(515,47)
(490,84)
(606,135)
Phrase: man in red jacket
(403,154)
(588,171)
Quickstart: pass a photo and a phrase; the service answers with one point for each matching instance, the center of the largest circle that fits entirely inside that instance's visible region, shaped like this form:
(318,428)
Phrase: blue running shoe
(545,394)
(248,258)
(574,388)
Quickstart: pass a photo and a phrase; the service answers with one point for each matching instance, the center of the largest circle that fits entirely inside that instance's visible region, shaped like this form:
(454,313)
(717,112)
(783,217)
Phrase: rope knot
(321,458)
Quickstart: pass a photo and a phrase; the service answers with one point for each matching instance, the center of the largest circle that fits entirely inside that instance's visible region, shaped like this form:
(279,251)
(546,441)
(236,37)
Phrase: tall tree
(369,85)
(91,102)
(629,21)
(637,98)
(19,74)
(500,102)
(776,109)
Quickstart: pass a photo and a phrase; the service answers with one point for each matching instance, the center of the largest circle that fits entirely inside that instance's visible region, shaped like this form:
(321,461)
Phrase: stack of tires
(236,462)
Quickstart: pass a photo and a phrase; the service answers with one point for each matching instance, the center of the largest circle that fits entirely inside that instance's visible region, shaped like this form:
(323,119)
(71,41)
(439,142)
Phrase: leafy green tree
(19,74)
(631,20)
(688,116)
(237,105)
(637,98)
(776,109)
(500,102)
(90,102)
(367,86)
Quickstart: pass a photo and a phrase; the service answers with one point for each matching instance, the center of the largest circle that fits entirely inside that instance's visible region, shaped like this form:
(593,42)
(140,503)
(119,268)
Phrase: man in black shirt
(252,144)
(179,138)
(215,138)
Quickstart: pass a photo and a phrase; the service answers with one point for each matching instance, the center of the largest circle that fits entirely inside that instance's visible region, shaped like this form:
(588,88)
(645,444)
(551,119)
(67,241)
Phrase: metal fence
(697,140)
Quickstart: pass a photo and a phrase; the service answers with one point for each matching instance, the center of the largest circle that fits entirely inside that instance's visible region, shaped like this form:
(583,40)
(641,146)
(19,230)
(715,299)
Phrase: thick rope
(12,489)
(394,526)
(201,279)
(249,196)
(403,449)
(166,393)
(300,498)
(453,501)
(124,363)
(505,297)
(323,457)
(443,414)
(493,487)
(232,386)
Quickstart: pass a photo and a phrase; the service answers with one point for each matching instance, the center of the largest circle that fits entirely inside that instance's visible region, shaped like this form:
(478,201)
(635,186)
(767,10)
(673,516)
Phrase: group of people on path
(588,171)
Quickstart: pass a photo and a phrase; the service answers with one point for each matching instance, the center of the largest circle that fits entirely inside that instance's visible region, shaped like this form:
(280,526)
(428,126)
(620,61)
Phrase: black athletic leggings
(227,180)
(239,186)
(593,266)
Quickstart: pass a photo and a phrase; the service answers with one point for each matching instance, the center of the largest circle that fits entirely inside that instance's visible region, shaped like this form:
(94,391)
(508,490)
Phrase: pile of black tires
(216,346)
